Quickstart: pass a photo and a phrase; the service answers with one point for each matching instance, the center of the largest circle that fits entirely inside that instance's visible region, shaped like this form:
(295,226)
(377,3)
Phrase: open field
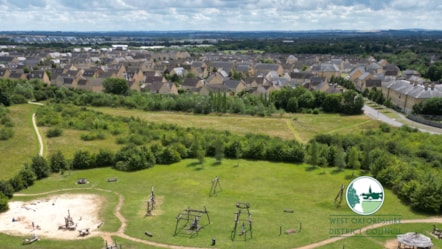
(305,190)
(270,188)
(290,126)
(19,149)
(23,145)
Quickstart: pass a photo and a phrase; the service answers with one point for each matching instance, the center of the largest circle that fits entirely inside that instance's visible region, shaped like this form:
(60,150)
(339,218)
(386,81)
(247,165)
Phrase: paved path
(375,114)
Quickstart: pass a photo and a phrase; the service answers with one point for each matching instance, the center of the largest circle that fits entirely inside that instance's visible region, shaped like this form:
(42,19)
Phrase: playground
(188,206)
(55,217)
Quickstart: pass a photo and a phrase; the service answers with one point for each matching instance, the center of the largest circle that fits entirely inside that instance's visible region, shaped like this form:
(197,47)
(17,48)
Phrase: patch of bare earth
(391,244)
(44,216)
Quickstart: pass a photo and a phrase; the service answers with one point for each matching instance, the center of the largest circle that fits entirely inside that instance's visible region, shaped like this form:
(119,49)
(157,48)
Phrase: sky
(218,15)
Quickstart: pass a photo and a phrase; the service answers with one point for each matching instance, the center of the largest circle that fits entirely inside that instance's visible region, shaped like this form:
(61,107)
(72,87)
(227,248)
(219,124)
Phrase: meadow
(301,127)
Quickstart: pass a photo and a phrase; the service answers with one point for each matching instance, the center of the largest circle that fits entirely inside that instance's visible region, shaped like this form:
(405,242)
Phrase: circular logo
(365,195)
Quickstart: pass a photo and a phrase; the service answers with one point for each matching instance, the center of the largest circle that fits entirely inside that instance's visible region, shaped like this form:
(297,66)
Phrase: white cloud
(89,15)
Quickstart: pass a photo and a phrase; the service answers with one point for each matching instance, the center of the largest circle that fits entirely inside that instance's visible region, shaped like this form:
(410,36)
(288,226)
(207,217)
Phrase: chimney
(426,86)
(432,86)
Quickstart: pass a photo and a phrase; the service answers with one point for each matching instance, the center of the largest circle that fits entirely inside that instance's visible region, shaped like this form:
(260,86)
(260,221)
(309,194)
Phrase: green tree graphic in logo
(352,197)
(365,195)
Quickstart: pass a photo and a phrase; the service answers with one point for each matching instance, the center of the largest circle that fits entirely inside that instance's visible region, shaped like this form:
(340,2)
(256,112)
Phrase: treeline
(431,106)
(407,161)
(164,140)
(285,100)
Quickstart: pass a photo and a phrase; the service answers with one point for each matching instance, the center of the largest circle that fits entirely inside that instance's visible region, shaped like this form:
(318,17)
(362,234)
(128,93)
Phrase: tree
(82,160)
(352,102)
(6,188)
(104,158)
(234,149)
(169,155)
(292,105)
(27,176)
(431,106)
(57,162)
(340,158)
(115,86)
(332,103)
(198,150)
(313,153)
(3,203)
(353,158)
(219,149)
(40,167)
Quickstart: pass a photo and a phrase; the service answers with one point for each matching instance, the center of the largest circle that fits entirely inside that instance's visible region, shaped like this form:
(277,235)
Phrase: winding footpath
(107,236)
(34,123)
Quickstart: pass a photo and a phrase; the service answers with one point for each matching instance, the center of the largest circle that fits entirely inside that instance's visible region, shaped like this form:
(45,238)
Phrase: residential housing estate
(145,70)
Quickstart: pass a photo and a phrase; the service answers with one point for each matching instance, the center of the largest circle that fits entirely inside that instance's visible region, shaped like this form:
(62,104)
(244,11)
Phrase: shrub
(54,132)
(6,133)
(3,203)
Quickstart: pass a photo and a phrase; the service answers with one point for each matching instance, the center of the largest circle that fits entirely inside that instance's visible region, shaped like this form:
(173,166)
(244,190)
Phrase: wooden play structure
(339,196)
(216,186)
(193,216)
(239,219)
(27,241)
(437,232)
(68,223)
(150,204)
(112,246)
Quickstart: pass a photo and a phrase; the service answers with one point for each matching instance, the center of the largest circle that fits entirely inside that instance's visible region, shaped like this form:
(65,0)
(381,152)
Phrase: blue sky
(212,15)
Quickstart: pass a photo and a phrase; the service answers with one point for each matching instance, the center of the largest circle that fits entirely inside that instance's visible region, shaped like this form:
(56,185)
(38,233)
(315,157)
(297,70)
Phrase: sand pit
(43,216)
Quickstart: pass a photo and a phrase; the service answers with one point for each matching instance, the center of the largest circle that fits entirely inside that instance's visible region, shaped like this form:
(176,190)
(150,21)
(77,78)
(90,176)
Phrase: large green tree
(115,86)
(40,167)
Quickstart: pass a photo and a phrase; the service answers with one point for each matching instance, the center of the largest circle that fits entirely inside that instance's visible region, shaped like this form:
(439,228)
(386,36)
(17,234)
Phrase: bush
(93,136)
(3,203)
(57,162)
(54,132)
(83,160)
(104,158)
(40,167)
(6,189)
(6,133)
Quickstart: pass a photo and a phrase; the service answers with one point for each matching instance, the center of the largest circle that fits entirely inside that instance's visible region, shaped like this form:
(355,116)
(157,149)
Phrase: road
(402,120)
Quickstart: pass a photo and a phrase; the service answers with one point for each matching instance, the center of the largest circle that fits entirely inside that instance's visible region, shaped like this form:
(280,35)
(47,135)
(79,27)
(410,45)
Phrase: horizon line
(232,31)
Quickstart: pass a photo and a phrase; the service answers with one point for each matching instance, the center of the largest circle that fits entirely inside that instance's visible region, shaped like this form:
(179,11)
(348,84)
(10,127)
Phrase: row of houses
(234,73)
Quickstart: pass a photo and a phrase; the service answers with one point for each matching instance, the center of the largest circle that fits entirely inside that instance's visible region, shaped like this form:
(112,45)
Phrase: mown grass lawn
(268,187)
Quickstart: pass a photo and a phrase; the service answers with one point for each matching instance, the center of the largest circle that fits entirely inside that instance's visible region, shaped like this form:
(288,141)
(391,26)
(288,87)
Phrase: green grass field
(268,187)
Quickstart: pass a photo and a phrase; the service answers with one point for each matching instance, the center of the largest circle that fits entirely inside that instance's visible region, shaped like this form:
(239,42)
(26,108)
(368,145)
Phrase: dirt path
(40,140)
(362,230)
(107,236)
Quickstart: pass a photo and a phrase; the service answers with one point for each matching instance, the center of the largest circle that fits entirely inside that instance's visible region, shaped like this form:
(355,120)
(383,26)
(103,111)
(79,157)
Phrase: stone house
(405,94)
